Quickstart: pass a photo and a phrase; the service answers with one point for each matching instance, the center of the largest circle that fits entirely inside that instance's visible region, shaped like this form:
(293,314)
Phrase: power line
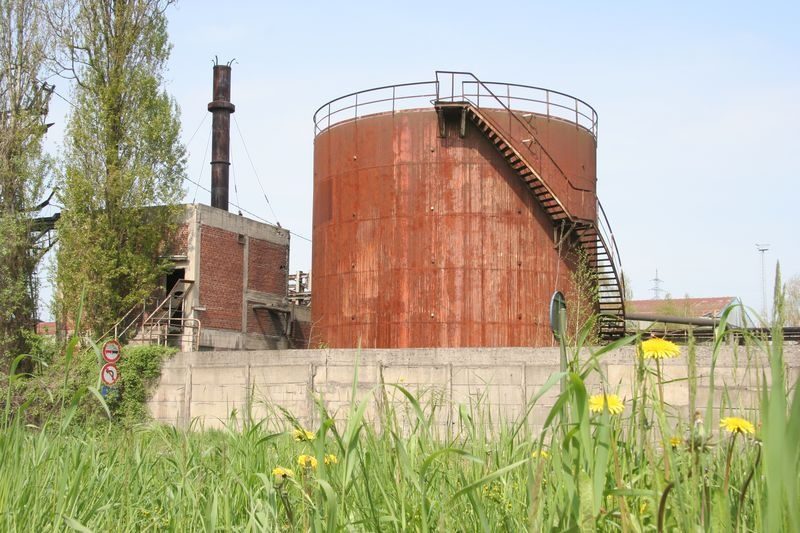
(205,116)
(53,90)
(235,188)
(63,98)
(247,152)
(202,166)
(262,219)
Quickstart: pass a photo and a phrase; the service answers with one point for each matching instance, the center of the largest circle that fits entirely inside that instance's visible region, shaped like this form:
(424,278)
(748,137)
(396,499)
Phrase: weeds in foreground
(599,462)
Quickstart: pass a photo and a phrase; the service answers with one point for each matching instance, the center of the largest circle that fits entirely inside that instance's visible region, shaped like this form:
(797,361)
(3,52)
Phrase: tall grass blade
(486,479)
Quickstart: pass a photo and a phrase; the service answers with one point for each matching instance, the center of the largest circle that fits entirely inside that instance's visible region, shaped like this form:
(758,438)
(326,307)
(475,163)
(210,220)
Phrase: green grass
(402,471)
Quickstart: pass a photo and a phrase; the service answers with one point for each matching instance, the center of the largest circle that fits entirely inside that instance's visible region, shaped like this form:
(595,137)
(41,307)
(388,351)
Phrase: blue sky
(698,103)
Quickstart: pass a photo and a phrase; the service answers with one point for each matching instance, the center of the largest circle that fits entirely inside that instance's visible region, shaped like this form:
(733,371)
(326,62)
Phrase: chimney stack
(221,108)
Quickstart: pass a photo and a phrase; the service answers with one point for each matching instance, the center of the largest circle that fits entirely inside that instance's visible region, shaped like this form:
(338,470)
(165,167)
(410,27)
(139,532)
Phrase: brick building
(228,288)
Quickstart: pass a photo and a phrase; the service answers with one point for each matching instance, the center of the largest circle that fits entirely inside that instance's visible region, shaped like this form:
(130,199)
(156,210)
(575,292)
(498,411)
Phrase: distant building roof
(46,328)
(685,307)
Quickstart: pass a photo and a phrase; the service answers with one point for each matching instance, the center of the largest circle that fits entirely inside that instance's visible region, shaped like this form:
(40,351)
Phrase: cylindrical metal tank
(424,235)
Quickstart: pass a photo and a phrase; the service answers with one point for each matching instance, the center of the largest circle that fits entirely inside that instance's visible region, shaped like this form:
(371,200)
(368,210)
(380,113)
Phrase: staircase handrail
(581,118)
(490,121)
(586,119)
(168,298)
(464,97)
(115,328)
(322,121)
(606,235)
(604,227)
(155,324)
(142,310)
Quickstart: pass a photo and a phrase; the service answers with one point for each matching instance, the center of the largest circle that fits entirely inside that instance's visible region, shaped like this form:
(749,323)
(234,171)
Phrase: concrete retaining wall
(209,386)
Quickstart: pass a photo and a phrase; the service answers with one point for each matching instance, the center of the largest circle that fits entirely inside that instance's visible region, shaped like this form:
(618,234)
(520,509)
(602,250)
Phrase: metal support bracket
(442,123)
(564,234)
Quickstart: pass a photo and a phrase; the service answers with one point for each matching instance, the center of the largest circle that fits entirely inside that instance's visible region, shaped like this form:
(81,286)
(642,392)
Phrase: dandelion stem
(623,506)
(661,416)
(662,506)
(286,505)
(642,396)
(745,486)
(728,463)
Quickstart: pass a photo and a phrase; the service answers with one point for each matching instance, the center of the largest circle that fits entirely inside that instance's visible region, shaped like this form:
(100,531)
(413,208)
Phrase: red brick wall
(221,273)
(301,331)
(182,240)
(263,322)
(178,243)
(267,270)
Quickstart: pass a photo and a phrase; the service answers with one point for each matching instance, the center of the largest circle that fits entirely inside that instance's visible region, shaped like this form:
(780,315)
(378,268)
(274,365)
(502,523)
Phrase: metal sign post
(558,323)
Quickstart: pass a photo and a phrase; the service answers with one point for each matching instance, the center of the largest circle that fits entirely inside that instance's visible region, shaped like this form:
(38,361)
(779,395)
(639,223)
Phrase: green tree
(628,284)
(124,164)
(24,102)
(583,296)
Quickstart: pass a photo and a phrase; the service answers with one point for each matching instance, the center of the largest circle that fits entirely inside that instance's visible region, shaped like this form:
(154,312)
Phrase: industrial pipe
(672,319)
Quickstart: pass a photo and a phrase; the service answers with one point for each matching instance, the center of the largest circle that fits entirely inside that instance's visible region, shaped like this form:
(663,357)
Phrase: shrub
(65,376)
(139,368)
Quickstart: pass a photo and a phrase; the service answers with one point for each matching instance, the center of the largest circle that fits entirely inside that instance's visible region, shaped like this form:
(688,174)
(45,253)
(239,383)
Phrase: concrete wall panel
(208,386)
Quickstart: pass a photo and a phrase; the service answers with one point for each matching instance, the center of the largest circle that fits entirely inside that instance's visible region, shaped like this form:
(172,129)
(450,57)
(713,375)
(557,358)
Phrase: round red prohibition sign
(109,374)
(111,351)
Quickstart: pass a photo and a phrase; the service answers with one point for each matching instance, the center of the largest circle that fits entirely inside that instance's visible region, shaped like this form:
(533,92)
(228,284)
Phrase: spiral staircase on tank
(463,93)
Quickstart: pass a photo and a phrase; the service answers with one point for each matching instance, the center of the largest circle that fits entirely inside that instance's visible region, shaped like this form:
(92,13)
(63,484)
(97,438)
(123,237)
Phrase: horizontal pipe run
(669,319)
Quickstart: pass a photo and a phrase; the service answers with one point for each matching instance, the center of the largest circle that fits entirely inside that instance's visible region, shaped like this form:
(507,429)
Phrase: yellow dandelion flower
(643,507)
(302,435)
(614,403)
(280,473)
(656,348)
(544,454)
(331,459)
(675,442)
(307,461)
(737,425)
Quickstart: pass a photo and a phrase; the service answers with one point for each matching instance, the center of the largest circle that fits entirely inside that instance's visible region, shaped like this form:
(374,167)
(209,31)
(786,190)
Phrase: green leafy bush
(67,375)
(139,368)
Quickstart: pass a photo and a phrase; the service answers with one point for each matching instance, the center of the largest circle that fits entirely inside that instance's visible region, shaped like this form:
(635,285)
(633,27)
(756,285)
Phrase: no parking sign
(112,351)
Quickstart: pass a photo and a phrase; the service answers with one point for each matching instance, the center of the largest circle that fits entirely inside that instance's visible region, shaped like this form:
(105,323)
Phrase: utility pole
(762,248)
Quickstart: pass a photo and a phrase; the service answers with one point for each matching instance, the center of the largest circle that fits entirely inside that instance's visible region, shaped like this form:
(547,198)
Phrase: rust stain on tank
(428,241)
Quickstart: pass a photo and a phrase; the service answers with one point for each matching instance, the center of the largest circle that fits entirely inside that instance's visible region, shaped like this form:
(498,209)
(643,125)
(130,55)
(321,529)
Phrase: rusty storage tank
(446,213)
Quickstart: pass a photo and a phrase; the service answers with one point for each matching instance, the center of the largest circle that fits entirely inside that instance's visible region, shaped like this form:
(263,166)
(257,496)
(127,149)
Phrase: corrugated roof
(687,307)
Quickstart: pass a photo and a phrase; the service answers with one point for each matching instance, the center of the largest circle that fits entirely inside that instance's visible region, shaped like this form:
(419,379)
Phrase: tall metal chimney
(221,108)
